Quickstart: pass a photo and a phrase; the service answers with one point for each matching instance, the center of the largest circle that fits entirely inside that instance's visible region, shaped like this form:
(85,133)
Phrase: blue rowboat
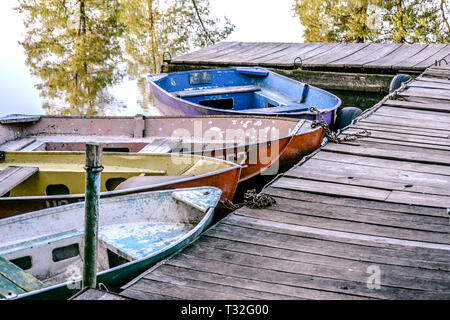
(245,90)
(40,251)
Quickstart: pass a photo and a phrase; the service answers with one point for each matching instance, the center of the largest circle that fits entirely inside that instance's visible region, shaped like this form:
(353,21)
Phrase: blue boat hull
(258,92)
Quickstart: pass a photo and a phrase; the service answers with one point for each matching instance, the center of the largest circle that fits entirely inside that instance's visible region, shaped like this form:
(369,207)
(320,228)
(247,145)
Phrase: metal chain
(333,136)
(255,201)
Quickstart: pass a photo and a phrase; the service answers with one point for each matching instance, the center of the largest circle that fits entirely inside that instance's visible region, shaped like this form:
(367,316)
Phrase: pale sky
(260,20)
(16,84)
(254,20)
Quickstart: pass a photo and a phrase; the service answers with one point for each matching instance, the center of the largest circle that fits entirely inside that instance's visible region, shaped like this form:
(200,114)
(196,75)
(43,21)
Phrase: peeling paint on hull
(143,228)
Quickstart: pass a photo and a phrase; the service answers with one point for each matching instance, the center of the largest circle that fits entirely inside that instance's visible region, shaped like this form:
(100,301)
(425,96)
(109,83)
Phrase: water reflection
(81,49)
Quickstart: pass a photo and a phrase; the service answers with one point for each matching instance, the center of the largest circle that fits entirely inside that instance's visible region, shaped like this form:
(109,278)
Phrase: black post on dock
(92,195)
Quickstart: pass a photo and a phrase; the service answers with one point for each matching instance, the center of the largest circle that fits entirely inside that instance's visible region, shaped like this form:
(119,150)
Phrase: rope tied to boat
(257,201)
(334,136)
(252,200)
(103,287)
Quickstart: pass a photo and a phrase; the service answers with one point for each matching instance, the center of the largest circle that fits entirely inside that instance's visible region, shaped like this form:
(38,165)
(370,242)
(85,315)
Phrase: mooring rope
(251,200)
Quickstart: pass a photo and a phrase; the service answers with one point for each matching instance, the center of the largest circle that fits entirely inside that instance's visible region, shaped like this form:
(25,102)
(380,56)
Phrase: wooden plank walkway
(372,57)
(366,219)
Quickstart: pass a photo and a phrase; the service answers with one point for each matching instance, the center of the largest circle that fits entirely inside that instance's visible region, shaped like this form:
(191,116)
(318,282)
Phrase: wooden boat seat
(140,181)
(47,239)
(18,144)
(143,238)
(161,145)
(35,146)
(281,109)
(10,177)
(216,91)
(278,98)
(19,118)
(14,280)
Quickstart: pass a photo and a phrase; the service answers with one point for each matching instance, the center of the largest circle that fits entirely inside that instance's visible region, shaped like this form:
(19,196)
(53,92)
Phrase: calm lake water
(20,95)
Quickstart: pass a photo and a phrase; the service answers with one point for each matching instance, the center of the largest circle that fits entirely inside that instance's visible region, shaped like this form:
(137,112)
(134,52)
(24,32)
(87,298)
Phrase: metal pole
(93,169)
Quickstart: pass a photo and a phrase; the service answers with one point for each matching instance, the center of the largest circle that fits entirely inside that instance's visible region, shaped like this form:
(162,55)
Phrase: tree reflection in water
(79,49)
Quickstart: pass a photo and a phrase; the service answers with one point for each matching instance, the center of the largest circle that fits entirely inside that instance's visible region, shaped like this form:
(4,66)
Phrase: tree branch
(444,17)
(152,33)
(201,22)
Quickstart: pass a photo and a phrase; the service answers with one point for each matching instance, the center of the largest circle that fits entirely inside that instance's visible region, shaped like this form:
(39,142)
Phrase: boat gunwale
(240,115)
(42,212)
(207,218)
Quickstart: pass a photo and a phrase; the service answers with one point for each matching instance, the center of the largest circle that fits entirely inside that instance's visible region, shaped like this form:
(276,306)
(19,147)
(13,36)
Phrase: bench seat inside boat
(29,243)
(137,240)
(161,145)
(11,177)
(140,181)
(216,91)
(281,109)
(14,281)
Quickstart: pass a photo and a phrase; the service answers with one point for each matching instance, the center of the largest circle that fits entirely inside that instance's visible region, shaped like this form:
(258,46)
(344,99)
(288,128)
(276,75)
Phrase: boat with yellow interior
(36,180)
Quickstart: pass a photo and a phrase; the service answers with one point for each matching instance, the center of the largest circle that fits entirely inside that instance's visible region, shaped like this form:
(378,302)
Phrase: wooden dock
(367,67)
(365,219)
(319,55)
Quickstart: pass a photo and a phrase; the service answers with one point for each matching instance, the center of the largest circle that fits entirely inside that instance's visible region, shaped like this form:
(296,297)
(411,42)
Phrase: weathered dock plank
(366,67)
(327,56)
(394,59)
(292,51)
(368,54)
(421,59)
(341,51)
(350,211)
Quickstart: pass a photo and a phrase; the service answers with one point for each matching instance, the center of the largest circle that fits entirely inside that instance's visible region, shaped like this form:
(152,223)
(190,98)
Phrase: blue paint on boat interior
(139,240)
(245,90)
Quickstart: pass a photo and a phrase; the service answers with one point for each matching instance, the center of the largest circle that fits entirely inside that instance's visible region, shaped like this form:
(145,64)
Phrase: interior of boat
(59,173)
(217,136)
(155,134)
(252,90)
(46,247)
